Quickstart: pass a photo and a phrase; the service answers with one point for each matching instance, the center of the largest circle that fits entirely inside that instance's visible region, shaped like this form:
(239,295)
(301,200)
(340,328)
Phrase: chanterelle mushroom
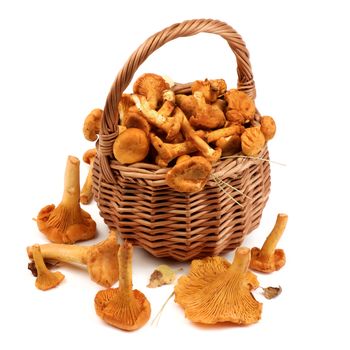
(206,116)
(240,107)
(267,127)
(92,124)
(45,278)
(211,89)
(151,86)
(131,146)
(252,141)
(100,259)
(268,258)
(67,223)
(216,291)
(189,175)
(123,307)
(86,192)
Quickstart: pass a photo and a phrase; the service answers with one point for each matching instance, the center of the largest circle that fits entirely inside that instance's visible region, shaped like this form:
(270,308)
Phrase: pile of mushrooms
(158,126)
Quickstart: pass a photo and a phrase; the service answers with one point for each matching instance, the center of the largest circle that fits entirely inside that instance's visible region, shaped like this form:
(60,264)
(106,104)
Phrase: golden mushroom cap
(190,175)
(131,146)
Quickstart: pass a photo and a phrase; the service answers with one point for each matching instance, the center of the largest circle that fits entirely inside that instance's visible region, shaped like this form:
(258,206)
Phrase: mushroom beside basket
(135,199)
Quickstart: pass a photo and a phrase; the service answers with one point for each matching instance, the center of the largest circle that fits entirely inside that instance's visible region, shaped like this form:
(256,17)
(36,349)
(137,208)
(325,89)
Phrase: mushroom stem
(39,260)
(241,260)
(125,269)
(62,252)
(269,246)
(45,278)
(71,193)
(86,192)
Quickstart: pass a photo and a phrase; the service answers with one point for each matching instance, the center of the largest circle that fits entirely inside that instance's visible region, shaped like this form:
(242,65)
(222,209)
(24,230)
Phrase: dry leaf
(163,274)
(271,292)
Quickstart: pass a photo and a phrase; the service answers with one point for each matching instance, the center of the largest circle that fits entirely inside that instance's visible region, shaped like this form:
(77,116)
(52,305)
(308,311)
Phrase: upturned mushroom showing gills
(67,223)
(101,259)
(269,259)
(216,291)
(45,278)
(123,307)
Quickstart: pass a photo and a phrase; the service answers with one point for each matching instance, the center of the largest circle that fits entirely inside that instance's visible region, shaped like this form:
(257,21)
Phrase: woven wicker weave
(135,199)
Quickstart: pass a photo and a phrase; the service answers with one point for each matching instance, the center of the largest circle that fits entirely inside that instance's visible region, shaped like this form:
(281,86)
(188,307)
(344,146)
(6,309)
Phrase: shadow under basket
(135,199)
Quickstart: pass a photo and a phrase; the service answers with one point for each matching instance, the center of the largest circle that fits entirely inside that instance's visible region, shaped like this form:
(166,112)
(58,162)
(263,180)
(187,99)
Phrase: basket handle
(109,122)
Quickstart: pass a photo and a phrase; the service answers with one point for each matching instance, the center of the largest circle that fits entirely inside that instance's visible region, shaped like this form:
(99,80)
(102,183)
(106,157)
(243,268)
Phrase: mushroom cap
(131,146)
(206,116)
(241,103)
(252,141)
(190,175)
(135,119)
(50,222)
(102,261)
(49,280)
(213,293)
(125,103)
(92,124)
(151,86)
(187,104)
(211,89)
(110,305)
(89,155)
(268,127)
(276,262)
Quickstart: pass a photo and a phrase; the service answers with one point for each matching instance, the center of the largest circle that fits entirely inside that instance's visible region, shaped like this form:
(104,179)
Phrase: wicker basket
(135,199)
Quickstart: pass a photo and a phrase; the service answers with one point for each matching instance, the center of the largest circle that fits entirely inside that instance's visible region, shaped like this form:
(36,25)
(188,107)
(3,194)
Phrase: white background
(58,61)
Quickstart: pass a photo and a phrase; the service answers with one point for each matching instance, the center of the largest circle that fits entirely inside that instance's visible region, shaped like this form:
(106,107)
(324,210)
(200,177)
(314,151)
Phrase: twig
(230,186)
(255,158)
(222,188)
(157,317)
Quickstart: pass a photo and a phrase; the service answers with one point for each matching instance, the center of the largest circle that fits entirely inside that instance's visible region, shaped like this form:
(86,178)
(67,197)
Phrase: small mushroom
(206,116)
(269,259)
(100,259)
(135,119)
(229,145)
(92,124)
(216,291)
(208,152)
(187,104)
(169,151)
(124,105)
(151,86)
(268,127)
(131,146)
(252,141)
(45,278)
(67,223)
(211,89)
(86,193)
(123,307)
(240,107)
(170,125)
(189,175)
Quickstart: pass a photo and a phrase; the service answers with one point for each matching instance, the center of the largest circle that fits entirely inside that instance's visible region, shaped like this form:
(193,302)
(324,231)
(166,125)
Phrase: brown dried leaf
(271,292)
(163,274)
